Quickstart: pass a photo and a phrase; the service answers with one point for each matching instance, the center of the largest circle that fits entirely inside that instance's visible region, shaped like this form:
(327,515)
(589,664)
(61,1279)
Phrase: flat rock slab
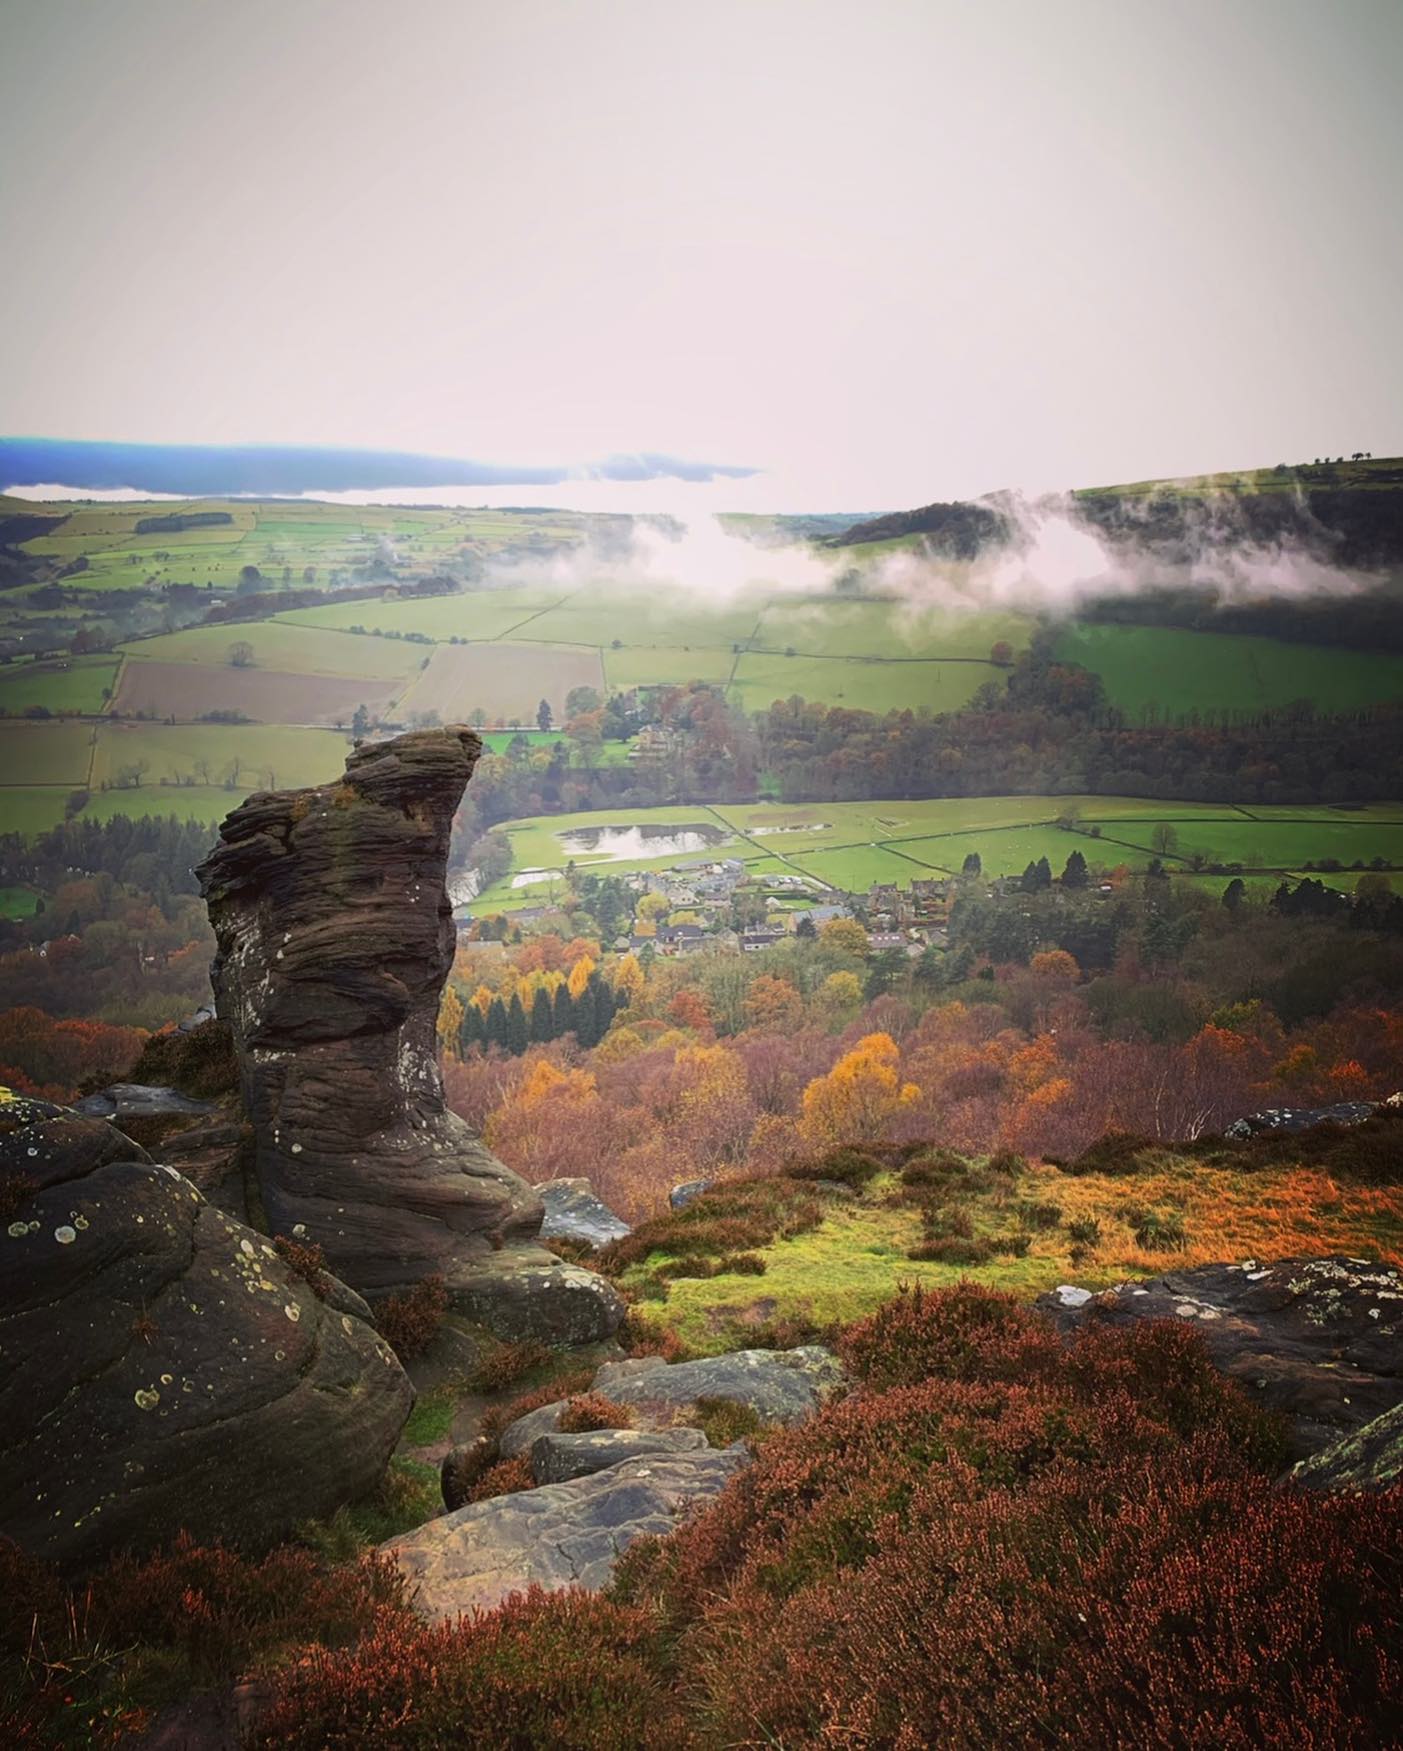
(1287,1119)
(1318,1339)
(562,1535)
(141,1100)
(557,1458)
(780,1386)
(573,1212)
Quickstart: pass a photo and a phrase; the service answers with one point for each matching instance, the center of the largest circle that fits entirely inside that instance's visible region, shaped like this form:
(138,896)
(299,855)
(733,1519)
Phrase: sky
(885,252)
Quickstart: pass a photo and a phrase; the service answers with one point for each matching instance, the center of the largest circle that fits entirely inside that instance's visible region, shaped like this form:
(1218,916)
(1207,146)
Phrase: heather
(996,1537)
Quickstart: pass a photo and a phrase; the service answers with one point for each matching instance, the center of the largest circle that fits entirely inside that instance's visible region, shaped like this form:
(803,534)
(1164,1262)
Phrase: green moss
(432,1417)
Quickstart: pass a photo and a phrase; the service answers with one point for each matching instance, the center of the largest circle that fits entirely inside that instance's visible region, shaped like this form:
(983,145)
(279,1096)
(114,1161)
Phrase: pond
(620,844)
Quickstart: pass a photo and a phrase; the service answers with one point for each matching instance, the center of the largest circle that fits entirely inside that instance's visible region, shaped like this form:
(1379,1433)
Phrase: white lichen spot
(293,1311)
(18,1230)
(280,1355)
(80,1222)
(65,1235)
(246,1247)
(346,1325)
(297,1149)
(146,1398)
(299,1229)
(166,1379)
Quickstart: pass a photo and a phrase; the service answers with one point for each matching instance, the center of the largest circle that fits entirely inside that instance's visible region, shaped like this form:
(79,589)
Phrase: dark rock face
(573,1212)
(160,1366)
(562,1535)
(1318,1339)
(335,936)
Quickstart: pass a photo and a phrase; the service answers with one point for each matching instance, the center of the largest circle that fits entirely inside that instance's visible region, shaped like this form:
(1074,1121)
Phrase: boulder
(573,1212)
(558,1458)
(521,1436)
(1284,1119)
(161,1367)
(780,1386)
(1320,1340)
(1369,1459)
(335,936)
(689,1189)
(561,1535)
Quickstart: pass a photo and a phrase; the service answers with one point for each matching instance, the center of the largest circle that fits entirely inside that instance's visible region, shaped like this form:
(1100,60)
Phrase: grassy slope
(857,1258)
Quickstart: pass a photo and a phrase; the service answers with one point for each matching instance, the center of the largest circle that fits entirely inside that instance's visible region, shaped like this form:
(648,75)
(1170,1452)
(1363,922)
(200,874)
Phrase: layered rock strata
(335,936)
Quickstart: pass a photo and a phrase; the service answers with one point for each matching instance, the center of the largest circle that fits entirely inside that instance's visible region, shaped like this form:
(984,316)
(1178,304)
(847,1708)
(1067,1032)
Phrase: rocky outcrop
(1291,1119)
(161,1367)
(563,1535)
(573,1212)
(141,1100)
(335,936)
(1369,1459)
(558,1458)
(1320,1340)
(780,1386)
(680,1196)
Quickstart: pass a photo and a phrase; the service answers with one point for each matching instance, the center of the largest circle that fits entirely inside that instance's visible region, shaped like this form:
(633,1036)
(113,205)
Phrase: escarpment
(335,936)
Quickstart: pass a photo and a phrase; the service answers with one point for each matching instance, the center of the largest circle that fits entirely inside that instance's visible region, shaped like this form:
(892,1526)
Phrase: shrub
(1037,1216)
(504,1477)
(942,1221)
(562,1669)
(846,1166)
(567,1385)
(743,1264)
(1118,1152)
(1158,1230)
(506,1364)
(592,1410)
(410,1322)
(1084,1230)
(201,1062)
(963,1333)
(306,1260)
(952,1250)
(936,1167)
(735,1217)
(723,1420)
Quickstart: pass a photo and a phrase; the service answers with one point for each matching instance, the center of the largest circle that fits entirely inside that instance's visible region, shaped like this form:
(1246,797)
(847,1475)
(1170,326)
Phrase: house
(752,941)
(877,940)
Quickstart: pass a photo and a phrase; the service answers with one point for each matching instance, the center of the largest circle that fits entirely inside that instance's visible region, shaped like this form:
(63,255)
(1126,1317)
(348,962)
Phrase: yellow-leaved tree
(629,981)
(579,976)
(450,1022)
(858,1098)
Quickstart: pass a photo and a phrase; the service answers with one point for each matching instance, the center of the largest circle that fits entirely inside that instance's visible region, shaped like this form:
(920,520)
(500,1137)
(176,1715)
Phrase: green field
(287,649)
(32,809)
(245,756)
(890,629)
(476,614)
(59,752)
(1167,673)
(76,684)
(18,902)
(864,683)
(850,846)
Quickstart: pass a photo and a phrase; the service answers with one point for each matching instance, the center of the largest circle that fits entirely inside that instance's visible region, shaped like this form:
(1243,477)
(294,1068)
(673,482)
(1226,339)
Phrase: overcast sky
(887,252)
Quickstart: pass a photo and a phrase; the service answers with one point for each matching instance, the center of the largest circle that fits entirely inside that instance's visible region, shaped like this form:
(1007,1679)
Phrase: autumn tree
(858,1098)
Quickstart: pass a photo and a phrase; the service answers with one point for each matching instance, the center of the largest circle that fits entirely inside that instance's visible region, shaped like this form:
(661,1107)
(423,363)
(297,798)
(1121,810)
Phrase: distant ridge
(213,470)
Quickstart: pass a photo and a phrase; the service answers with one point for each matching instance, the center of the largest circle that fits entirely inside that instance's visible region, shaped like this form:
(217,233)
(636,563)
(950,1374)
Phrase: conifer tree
(495,1030)
(563,1012)
(518,1028)
(542,1017)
